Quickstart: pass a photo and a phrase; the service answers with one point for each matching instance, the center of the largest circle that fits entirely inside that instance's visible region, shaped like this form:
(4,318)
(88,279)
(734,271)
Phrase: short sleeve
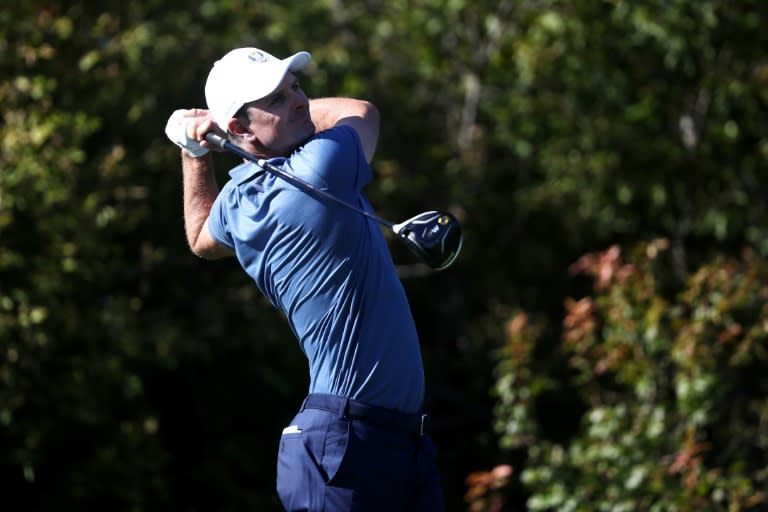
(336,156)
(217,220)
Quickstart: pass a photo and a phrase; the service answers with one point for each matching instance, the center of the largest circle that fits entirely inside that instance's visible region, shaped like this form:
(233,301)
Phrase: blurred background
(600,344)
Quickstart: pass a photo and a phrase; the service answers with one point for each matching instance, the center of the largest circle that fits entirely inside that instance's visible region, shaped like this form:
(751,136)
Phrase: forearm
(200,191)
(327,112)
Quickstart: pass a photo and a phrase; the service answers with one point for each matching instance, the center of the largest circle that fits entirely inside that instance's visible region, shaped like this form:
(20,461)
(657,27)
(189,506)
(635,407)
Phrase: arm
(200,191)
(187,128)
(361,115)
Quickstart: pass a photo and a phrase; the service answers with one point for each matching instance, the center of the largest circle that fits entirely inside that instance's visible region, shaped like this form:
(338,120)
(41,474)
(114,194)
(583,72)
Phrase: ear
(235,126)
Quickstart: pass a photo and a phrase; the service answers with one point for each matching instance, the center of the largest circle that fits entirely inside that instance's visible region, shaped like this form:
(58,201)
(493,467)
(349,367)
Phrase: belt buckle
(423,424)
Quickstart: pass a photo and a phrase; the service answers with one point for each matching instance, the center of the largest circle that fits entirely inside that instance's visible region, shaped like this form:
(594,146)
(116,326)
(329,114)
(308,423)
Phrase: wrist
(195,152)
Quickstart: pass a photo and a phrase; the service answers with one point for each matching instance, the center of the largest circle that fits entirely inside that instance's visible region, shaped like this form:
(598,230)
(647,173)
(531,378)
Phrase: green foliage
(672,417)
(637,120)
(102,330)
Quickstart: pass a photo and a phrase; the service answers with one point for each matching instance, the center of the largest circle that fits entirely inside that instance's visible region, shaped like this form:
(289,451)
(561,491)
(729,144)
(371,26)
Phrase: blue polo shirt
(328,269)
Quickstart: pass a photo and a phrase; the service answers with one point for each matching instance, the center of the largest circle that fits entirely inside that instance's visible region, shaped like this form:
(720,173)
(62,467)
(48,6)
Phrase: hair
(242,114)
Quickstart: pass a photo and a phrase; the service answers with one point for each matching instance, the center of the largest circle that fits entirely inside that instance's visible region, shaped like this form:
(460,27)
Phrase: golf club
(435,236)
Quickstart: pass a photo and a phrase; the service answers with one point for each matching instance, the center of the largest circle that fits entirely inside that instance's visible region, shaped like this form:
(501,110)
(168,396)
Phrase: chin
(307,132)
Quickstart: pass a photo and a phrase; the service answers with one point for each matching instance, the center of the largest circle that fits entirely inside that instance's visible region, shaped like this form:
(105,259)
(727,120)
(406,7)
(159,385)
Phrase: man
(358,440)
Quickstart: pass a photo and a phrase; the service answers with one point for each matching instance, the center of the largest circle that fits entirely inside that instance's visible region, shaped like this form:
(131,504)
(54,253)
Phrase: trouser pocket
(310,455)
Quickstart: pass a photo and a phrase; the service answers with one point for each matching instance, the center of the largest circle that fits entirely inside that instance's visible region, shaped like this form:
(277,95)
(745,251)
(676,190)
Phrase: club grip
(216,139)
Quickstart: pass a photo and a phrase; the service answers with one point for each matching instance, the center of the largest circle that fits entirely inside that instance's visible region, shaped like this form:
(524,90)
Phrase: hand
(187,129)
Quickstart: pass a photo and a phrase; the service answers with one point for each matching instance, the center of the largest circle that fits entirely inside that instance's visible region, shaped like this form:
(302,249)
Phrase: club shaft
(290,178)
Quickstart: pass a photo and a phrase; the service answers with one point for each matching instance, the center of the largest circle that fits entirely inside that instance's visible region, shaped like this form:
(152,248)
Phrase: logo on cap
(257,56)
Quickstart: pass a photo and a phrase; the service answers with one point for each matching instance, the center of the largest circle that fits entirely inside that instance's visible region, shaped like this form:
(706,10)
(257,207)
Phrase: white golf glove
(176,130)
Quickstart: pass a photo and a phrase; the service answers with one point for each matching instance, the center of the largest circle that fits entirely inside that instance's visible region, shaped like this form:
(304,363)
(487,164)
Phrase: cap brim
(298,61)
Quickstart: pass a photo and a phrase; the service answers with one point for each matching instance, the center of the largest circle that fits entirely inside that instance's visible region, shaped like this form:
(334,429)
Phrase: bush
(672,388)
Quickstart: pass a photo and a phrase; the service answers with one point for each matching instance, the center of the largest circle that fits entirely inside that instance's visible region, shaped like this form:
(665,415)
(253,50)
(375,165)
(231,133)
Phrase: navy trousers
(339,455)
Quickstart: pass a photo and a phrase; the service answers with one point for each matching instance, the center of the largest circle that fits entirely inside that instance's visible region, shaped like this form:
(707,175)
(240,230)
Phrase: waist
(417,423)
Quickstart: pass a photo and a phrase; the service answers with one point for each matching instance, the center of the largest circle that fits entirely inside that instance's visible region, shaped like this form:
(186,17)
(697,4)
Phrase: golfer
(359,440)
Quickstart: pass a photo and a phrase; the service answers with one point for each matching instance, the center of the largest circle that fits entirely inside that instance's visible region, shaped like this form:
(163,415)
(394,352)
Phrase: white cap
(244,75)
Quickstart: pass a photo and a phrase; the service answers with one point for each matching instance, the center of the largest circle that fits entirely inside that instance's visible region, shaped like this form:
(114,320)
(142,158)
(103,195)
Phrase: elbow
(368,129)
(211,252)
(204,246)
(371,113)
(200,254)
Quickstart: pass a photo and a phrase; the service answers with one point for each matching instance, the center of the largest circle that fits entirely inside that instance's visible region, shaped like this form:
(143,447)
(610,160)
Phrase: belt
(418,424)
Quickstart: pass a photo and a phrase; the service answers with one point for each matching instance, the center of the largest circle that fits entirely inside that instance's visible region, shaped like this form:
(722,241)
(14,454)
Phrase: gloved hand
(176,130)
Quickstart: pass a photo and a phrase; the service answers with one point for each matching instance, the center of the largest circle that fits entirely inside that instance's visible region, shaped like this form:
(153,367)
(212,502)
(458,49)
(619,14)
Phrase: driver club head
(435,236)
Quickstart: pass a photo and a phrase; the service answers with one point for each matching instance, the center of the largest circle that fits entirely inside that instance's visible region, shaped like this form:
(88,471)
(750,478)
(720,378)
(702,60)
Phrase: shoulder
(341,134)
(335,156)
(336,146)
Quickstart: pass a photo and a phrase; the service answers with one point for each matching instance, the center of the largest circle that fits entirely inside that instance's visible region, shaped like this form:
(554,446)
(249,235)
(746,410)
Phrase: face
(279,123)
